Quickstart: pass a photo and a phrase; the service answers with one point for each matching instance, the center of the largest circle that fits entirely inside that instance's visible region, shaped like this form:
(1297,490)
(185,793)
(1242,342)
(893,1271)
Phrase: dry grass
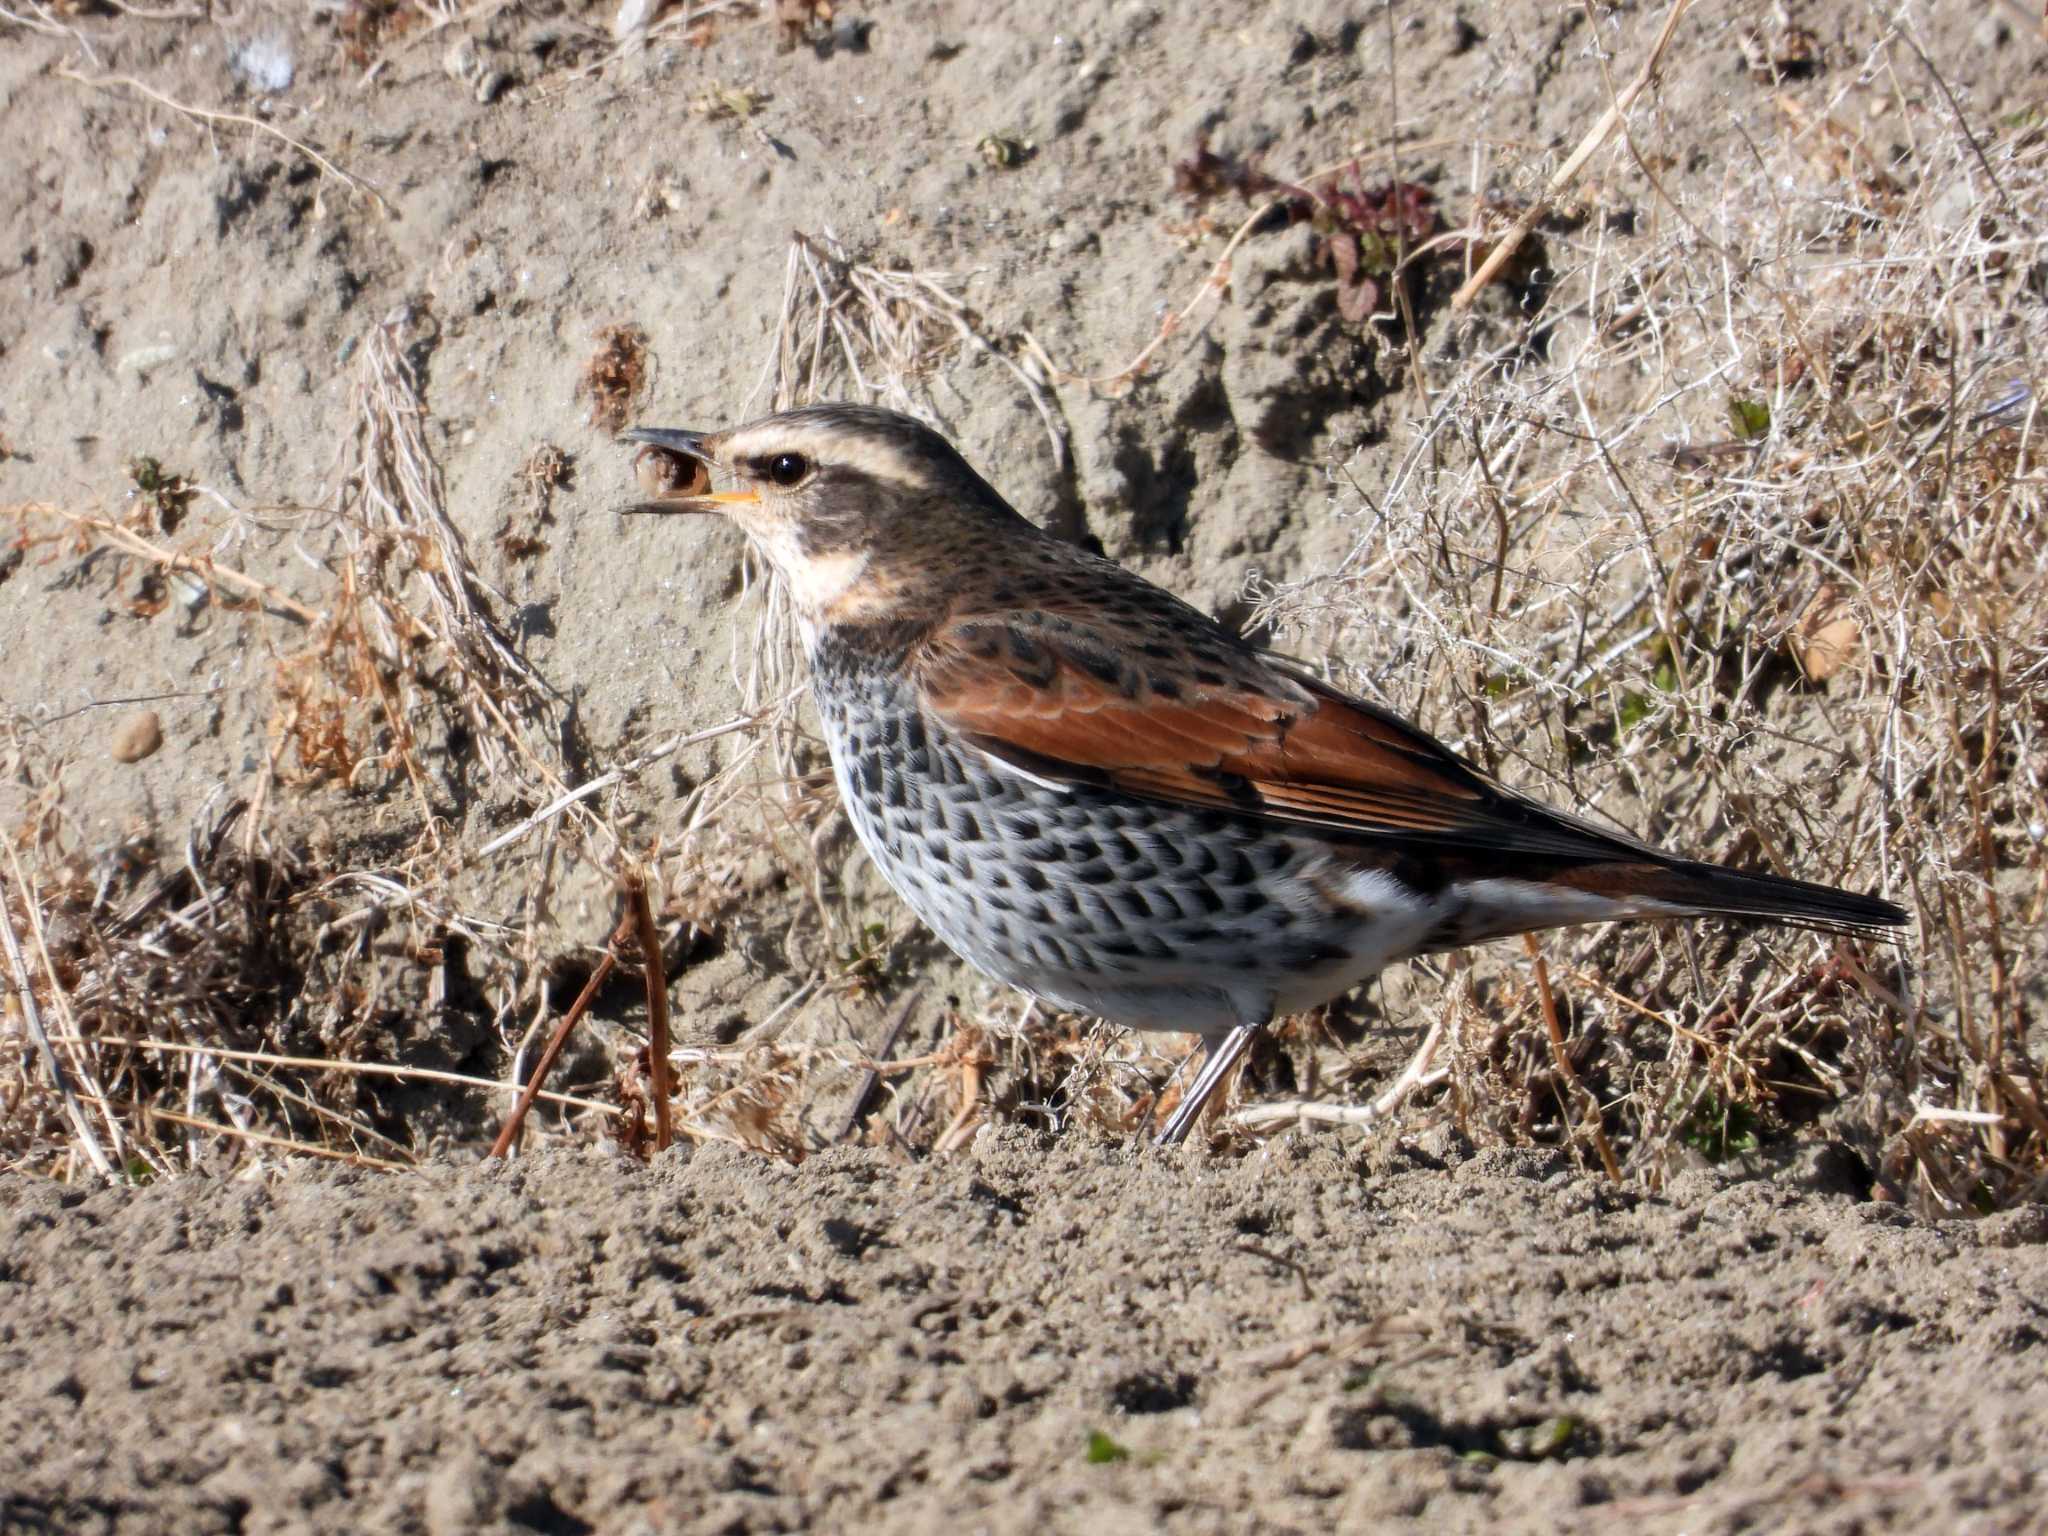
(1749,556)
(275,992)
(1737,543)
(190,988)
(1737,540)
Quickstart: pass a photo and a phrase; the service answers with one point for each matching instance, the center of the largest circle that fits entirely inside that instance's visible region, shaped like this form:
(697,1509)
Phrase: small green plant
(1364,232)
(1003,154)
(865,959)
(1541,1441)
(1546,1440)
(167,495)
(1719,1130)
(1636,707)
(1102,1450)
(1750,418)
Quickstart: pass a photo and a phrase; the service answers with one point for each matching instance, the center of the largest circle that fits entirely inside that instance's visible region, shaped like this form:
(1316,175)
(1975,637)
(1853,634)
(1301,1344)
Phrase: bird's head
(854,505)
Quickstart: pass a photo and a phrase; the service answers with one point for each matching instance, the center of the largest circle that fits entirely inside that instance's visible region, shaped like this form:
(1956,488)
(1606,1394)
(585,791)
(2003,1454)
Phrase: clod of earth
(662,472)
(137,737)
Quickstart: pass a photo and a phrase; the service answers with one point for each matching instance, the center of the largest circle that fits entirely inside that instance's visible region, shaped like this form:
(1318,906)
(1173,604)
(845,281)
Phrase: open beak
(674,471)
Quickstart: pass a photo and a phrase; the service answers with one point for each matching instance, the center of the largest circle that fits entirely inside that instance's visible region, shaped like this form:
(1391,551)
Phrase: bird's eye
(788,468)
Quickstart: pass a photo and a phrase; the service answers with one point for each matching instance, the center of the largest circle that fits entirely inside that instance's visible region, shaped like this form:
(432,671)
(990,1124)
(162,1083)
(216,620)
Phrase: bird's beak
(674,469)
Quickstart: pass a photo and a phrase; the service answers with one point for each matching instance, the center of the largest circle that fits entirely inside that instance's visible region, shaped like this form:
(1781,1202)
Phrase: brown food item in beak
(665,474)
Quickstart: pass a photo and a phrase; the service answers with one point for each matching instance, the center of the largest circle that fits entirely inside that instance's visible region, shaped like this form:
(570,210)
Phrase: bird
(1094,792)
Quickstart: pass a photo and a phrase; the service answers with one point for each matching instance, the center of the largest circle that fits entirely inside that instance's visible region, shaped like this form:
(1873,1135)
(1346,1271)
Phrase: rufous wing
(1063,699)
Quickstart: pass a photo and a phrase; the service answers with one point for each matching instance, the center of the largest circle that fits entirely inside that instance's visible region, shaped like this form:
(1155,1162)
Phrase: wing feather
(1070,701)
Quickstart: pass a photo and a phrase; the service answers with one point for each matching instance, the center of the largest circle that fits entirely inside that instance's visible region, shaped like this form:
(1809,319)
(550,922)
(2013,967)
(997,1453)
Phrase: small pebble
(632,17)
(146,359)
(265,63)
(137,737)
(460,63)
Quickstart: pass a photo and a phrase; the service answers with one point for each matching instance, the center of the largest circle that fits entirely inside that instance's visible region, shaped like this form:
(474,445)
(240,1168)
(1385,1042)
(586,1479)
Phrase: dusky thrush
(1094,792)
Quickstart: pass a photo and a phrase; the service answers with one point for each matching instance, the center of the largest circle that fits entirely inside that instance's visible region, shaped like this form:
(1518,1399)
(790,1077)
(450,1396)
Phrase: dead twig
(878,1062)
(657,1005)
(330,1064)
(1567,173)
(205,567)
(327,167)
(1573,1088)
(537,1079)
(282,1143)
(32,1018)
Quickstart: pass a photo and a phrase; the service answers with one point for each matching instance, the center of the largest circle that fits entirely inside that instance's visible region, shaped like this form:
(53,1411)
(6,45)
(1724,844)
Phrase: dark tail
(1712,890)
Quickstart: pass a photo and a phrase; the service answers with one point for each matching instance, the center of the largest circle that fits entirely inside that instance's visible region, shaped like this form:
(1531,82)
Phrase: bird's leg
(1223,1055)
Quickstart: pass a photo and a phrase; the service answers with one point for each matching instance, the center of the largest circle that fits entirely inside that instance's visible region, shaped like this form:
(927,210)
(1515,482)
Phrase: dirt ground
(1031,1336)
(244,254)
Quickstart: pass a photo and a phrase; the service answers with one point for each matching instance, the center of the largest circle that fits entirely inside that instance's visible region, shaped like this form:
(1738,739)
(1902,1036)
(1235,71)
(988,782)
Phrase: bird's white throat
(820,582)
